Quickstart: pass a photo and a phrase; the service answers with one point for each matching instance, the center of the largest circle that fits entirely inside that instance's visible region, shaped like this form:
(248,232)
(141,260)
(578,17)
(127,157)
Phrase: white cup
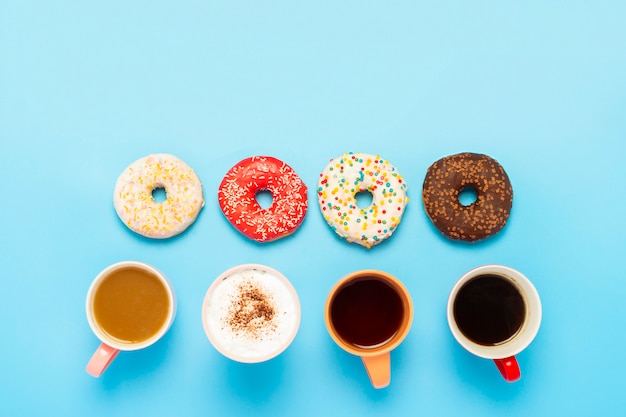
(251,313)
(111,346)
(502,353)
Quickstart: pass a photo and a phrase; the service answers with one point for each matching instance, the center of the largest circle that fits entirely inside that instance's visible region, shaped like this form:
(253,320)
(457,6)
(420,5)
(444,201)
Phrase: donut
(352,173)
(141,213)
(446,178)
(237,198)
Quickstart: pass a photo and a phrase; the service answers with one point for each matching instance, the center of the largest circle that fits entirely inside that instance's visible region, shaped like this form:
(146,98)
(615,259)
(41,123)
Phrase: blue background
(88,87)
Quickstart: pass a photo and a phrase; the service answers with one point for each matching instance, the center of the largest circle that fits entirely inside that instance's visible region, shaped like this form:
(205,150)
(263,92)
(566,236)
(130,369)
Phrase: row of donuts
(339,183)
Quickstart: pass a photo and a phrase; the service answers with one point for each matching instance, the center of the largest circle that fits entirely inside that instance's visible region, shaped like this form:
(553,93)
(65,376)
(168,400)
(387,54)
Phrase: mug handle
(509,368)
(379,369)
(101,359)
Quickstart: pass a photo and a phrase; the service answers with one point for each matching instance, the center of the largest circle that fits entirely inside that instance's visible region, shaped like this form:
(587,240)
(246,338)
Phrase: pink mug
(494,312)
(130,305)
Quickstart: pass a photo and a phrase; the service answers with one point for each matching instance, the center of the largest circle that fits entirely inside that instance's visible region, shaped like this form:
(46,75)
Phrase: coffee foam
(251,314)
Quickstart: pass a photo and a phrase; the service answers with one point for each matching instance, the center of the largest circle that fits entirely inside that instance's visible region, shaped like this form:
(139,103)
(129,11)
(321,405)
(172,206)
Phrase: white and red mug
(130,306)
(494,312)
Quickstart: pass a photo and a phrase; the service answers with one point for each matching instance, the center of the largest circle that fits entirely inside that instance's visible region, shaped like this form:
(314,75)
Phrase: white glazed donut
(350,174)
(136,206)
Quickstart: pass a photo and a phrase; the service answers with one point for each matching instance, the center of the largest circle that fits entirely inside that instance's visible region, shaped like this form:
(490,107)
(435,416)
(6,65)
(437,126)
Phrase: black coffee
(489,310)
(366,312)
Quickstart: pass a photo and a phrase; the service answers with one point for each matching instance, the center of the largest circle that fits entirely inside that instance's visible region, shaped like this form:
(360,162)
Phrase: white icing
(136,206)
(350,174)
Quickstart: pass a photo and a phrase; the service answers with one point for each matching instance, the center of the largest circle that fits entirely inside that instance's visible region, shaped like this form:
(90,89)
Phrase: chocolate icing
(447,177)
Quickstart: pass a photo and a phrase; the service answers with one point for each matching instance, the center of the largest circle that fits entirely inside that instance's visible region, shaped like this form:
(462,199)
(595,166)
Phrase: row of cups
(251,313)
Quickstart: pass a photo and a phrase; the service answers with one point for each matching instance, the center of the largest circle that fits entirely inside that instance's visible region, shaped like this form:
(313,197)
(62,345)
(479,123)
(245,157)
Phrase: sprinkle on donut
(448,177)
(135,204)
(237,198)
(346,176)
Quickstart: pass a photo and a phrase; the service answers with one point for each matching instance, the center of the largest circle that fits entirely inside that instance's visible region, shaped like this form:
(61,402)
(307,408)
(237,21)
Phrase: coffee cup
(130,305)
(251,313)
(494,312)
(368,314)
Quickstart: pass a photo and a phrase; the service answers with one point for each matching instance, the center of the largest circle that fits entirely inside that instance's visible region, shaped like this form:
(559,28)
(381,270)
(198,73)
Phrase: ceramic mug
(369,313)
(251,313)
(494,312)
(130,305)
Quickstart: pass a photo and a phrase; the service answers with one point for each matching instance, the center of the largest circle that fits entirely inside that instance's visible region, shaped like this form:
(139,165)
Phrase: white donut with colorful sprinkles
(353,173)
(139,211)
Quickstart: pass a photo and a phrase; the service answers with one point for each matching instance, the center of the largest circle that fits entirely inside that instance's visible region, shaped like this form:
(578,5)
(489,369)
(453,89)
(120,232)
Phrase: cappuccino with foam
(251,313)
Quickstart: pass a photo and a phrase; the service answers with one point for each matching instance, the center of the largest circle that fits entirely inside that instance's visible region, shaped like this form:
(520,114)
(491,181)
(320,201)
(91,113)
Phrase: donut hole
(468,195)
(264,198)
(363,199)
(159,195)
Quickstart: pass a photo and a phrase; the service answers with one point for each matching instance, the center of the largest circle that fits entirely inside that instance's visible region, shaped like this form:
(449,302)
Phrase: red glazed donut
(237,198)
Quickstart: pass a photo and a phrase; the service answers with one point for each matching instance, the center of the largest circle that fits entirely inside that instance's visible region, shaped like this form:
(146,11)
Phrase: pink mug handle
(101,359)
(509,368)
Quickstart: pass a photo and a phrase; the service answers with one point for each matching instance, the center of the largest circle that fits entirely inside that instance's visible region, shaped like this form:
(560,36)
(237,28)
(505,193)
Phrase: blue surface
(88,87)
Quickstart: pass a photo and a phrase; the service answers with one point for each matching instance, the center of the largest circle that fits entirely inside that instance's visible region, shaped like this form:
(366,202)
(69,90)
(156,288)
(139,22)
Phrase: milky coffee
(251,313)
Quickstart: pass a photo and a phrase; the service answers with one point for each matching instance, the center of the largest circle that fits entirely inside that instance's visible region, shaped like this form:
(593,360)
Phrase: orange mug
(369,313)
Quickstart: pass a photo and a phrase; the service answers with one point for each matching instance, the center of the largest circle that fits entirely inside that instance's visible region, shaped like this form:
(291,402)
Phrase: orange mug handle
(509,368)
(379,369)
(101,359)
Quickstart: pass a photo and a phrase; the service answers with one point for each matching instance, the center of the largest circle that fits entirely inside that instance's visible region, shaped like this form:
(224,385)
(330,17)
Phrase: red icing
(236,197)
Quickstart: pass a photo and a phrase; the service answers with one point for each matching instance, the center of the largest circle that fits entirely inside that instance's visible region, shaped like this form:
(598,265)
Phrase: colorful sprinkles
(346,176)
(237,198)
(135,204)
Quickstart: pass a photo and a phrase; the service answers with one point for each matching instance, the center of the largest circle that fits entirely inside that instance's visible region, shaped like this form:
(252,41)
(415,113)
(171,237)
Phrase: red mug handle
(509,368)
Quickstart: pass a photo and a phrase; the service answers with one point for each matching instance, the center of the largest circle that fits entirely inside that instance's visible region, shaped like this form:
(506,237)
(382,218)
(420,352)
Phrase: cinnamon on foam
(251,313)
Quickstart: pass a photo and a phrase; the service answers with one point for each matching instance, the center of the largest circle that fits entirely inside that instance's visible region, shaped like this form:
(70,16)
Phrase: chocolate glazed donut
(446,178)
